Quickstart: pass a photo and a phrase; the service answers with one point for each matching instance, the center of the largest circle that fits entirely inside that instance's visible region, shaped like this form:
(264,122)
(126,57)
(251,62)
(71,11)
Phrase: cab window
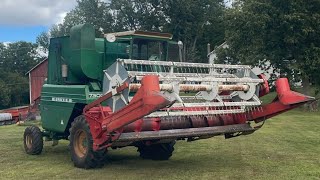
(149,50)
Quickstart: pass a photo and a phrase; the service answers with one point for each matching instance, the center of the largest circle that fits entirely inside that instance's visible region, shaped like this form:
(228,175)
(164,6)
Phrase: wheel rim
(29,141)
(80,143)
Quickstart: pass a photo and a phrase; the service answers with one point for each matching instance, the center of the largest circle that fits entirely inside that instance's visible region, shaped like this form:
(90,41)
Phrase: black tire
(156,151)
(81,146)
(32,140)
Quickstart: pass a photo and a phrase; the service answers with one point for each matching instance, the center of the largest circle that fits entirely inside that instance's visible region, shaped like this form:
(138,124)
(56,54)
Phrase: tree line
(15,61)
(196,23)
(284,33)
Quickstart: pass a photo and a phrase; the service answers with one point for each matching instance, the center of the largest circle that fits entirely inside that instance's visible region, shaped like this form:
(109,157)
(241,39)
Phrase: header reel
(196,88)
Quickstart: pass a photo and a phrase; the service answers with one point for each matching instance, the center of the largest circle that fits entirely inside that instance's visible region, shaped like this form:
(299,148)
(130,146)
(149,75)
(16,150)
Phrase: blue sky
(17,33)
(26,19)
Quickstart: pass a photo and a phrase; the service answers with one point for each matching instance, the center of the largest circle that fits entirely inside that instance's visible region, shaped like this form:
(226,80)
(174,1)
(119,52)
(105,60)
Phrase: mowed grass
(287,147)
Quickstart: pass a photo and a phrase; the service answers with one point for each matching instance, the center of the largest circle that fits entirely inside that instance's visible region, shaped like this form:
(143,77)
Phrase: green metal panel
(115,50)
(84,62)
(58,103)
(59,52)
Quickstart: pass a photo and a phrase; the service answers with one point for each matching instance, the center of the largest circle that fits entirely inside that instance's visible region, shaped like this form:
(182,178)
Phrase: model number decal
(95,95)
(61,99)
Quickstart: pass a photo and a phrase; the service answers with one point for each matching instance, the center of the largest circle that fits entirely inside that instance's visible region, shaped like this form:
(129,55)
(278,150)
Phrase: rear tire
(32,140)
(156,151)
(81,146)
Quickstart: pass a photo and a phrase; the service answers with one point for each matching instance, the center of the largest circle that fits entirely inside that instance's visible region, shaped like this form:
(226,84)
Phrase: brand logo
(61,99)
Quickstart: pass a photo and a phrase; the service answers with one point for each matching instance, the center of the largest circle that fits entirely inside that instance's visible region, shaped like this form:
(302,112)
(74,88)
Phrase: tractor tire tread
(93,159)
(37,140)
(161,151)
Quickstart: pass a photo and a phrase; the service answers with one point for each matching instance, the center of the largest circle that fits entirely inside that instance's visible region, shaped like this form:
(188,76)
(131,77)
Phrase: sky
(26,19)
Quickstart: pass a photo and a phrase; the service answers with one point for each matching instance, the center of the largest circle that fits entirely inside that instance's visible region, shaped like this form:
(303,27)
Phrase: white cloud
(61,17)
(34,12)
(6,44)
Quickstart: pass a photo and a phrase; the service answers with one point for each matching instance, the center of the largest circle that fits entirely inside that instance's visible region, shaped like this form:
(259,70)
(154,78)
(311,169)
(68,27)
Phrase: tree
(196,23)
(285,33)
(43,40)
(95,12)
(147,15)
(5,97)
(14,89)
(2,52)
(19,57)
(15,60)
(18,88)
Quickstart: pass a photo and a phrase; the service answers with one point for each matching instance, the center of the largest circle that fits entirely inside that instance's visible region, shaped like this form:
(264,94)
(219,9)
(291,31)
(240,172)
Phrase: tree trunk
(306,85)
(194,43)
(307,91)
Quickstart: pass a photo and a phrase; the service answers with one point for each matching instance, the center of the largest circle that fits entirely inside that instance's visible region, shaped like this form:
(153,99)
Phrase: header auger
(128,89)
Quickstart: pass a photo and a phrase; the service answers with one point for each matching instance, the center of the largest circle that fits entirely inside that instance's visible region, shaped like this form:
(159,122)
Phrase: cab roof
(143,34)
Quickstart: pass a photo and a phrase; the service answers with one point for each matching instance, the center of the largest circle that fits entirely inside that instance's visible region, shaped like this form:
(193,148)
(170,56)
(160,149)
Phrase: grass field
(287,147)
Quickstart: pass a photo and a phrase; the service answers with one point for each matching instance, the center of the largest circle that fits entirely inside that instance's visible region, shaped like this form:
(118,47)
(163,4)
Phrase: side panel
(58,103)
(60,53)
(85,61)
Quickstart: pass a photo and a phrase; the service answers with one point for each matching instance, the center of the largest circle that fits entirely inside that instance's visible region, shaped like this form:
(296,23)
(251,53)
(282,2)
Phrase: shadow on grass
(128,158)
(184,161)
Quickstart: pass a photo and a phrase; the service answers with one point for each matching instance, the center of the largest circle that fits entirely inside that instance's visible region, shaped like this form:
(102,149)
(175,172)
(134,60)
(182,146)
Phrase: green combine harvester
(131,89)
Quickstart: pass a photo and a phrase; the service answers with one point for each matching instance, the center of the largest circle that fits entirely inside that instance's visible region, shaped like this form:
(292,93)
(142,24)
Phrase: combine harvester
(128,89)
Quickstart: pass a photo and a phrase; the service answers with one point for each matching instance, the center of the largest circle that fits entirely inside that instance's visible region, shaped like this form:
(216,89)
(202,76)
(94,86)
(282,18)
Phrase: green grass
(287,147)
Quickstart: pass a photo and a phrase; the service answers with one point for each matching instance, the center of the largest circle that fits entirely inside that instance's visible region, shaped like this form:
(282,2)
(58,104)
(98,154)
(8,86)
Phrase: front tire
(33,140)
(81,146)
(161,151)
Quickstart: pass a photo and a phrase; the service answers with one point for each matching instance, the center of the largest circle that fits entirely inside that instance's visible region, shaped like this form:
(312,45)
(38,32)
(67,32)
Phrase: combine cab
(130,89)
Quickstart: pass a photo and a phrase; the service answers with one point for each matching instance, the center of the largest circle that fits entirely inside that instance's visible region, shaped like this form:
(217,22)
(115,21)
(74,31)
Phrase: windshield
(149,50)
(146,49)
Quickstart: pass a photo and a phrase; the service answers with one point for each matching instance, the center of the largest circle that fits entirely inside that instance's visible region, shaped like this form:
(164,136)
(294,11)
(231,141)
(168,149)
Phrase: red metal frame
(18,113)
(106,126)
(286,100)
